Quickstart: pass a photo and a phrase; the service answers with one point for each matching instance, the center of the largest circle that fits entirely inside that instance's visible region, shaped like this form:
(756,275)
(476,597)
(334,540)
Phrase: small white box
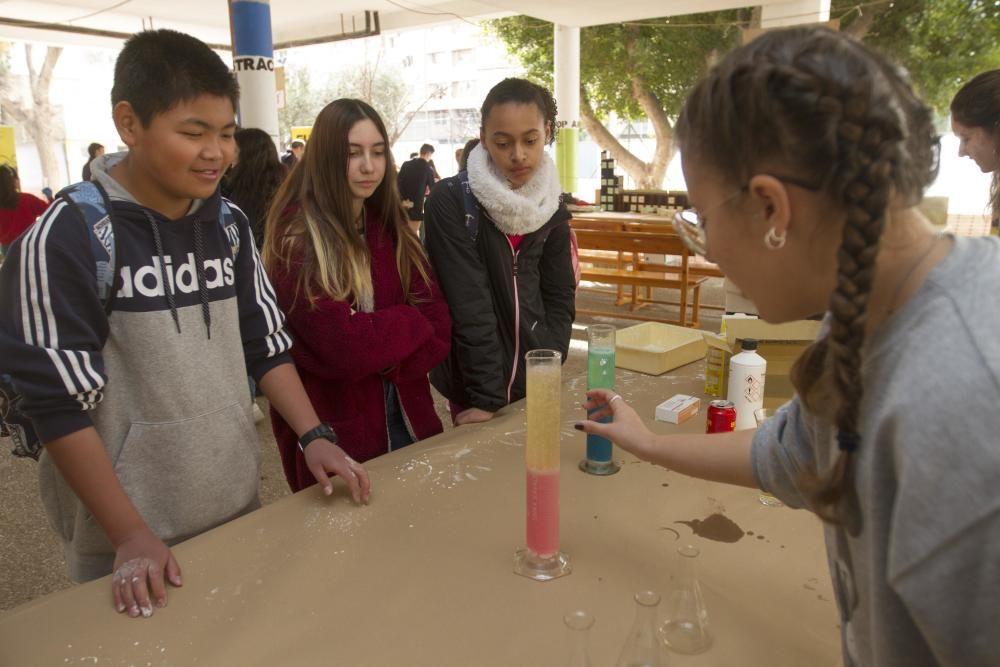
(678,408)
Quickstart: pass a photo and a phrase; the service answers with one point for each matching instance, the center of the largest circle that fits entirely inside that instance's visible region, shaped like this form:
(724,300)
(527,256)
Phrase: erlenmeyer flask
(643,648)
(685,629)
(578,624)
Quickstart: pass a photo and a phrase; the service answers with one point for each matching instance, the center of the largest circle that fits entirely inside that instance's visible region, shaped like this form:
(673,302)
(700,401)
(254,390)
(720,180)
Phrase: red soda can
(721,417)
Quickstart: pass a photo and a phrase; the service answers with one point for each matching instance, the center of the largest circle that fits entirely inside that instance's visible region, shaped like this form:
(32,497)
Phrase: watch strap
(323,430)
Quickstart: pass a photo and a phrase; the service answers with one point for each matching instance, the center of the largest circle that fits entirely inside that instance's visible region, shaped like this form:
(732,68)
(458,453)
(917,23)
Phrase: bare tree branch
(860,27)
(437,92)
(607,141)
(654,172)
(13,106)
(38,120)
(31,66)
(48,67)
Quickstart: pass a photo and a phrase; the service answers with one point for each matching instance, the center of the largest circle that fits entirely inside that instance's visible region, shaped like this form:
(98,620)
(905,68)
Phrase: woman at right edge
(805,154)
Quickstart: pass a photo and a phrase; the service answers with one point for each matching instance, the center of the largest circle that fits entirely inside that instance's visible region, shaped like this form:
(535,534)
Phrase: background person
(511,288)
(975,120)
(94,151)
(254,178)
(416,178)
(18,210)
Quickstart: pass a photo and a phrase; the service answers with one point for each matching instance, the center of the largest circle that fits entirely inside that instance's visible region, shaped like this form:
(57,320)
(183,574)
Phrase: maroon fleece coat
(343,357)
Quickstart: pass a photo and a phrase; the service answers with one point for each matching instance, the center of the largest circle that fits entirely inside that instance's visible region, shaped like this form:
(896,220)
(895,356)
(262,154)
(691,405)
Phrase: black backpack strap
(231,230)
(471,206)
(93,206)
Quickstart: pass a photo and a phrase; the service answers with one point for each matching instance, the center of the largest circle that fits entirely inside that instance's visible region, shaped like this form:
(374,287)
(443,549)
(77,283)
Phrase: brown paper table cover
(423,575)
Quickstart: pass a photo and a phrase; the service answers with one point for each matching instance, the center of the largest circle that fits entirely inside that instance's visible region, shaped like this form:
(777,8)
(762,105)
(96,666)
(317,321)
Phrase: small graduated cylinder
(600,375)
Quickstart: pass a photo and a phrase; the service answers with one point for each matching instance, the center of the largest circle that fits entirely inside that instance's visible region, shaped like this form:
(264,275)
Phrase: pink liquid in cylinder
(543,513)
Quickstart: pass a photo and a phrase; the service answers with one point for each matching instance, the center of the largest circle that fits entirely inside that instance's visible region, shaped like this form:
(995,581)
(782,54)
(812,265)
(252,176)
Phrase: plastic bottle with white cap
(746,383)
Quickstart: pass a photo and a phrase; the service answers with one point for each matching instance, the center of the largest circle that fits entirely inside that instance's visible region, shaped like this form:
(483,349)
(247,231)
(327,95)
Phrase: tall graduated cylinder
(542,559)
(600,375)
(542,453)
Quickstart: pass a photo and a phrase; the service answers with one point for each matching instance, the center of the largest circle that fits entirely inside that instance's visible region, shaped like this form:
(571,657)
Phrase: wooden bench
(628,247)
(604,258)
(697,266)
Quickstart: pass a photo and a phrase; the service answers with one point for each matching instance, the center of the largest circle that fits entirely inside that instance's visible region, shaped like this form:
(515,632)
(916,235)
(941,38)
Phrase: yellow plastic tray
(655,348)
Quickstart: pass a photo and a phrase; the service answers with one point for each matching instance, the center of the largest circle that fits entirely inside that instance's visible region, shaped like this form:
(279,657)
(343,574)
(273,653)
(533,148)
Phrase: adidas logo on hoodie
(148,280)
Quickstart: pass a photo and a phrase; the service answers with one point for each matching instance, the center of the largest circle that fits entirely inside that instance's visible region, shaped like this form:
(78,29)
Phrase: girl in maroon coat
(368,318)
(18,210)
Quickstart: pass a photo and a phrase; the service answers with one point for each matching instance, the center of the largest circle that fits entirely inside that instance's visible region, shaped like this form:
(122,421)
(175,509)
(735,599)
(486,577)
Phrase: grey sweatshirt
(920,584)
(163,379)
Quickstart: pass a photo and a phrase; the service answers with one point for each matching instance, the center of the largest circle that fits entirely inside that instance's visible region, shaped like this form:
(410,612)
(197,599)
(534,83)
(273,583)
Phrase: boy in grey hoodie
(146,413)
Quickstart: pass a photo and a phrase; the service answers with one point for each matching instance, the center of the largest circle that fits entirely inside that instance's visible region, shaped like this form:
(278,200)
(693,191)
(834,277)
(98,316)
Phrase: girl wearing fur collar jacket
(502,255)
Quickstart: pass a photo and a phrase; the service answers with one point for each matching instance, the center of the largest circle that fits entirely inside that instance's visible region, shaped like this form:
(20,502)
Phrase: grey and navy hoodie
(163,378)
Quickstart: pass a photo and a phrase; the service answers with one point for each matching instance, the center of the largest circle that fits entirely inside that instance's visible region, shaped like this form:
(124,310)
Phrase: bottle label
(753,389)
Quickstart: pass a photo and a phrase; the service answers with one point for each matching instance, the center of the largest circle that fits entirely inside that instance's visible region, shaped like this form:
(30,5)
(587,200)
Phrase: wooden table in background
(423,576)
(699,266)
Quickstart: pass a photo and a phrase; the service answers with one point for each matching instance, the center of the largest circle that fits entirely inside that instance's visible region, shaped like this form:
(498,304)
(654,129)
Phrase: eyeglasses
(691,224)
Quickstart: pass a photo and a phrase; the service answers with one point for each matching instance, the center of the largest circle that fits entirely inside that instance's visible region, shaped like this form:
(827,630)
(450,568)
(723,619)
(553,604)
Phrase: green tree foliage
(643,70)
(384,90)
(303,101)
(630,70)
(380,87)
(943,43)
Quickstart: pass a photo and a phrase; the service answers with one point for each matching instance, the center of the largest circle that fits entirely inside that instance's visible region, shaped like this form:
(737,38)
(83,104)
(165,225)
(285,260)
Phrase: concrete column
(567,93)
(253,62)
(794,13)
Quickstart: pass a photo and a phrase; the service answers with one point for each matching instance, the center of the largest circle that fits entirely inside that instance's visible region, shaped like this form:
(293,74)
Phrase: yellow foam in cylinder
(543,385)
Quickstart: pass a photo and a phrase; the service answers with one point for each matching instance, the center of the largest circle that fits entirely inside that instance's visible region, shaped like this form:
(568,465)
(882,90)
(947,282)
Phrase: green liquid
(600,375)
(601,368)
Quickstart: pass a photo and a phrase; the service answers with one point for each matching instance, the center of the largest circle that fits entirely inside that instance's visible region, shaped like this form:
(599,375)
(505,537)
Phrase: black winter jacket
(503,303)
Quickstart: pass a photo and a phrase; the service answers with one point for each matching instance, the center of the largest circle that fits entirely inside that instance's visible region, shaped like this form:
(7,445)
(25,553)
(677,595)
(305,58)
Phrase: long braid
(846,119)
(869,138)
(864,140)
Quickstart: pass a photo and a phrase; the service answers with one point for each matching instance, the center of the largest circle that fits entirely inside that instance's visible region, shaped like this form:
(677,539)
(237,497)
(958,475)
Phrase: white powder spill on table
(446,467)
(337,517)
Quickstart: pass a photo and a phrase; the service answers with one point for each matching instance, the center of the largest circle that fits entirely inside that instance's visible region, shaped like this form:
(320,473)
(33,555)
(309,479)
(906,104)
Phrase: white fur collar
(520,211)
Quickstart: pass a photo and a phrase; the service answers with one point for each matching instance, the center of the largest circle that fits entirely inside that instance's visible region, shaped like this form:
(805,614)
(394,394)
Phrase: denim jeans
(399,435)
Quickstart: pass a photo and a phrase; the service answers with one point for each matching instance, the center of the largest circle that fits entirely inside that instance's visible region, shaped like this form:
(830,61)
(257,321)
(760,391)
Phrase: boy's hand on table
(324,457)
(141,562)
(473,416)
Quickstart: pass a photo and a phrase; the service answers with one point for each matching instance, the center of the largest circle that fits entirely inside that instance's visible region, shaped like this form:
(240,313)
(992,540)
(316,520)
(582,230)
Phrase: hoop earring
(773,240)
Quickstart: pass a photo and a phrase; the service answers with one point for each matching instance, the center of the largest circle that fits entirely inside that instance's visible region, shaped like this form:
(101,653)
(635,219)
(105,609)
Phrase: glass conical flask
(578,624)
(643,648)
(685,629)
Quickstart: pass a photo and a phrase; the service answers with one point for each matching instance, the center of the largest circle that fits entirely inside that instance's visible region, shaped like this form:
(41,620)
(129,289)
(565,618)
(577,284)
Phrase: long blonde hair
(310,226)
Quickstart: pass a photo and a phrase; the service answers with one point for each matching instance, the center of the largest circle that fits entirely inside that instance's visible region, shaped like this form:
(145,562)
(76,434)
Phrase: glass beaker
(578,624)
(600,375)
(765,498)
(685,629)
(541,559)
(643,648)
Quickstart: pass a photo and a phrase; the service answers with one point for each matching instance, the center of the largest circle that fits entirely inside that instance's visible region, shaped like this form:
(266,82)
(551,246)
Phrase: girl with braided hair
(805,155)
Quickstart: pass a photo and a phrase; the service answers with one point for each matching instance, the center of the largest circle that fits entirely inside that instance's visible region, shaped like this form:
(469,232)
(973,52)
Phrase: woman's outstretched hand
(626,428)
